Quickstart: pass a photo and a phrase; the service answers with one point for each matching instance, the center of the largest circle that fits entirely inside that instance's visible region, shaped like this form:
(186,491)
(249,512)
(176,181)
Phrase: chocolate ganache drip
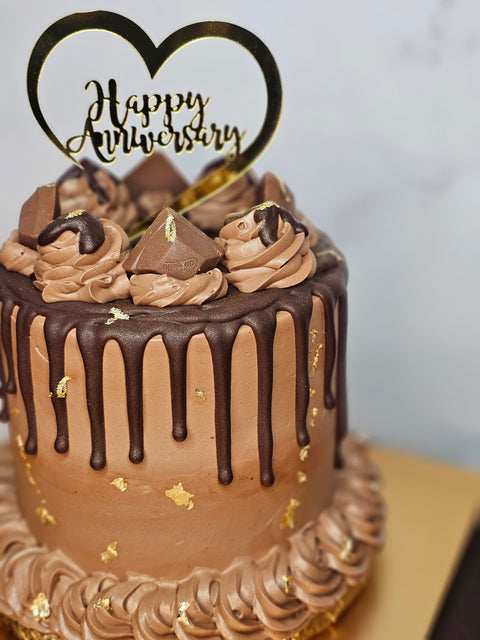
(218,320)
(269,213)
(89,228)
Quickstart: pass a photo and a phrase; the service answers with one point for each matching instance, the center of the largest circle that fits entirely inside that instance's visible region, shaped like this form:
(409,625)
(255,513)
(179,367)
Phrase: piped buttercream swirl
(63,272)
(17,257)
(267,251)
(164,291)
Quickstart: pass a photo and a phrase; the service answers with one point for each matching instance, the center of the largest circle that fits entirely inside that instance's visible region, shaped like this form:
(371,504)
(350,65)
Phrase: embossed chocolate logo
(131,115)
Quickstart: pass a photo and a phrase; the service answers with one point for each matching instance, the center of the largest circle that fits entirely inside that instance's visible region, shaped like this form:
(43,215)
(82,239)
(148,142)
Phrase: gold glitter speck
(200,394)
(312,392)
(286,582)
(40,607)
(61,390)
(288,518)
(75,214)
(304,453)
(182,615)
(110,553)
(120,484)
(314,415)
(102,603)
(316,358)
(45,516)
(347,548)
(313,335)
(302,477)
(170,228)
(180,496)
(14,412)
(117,314)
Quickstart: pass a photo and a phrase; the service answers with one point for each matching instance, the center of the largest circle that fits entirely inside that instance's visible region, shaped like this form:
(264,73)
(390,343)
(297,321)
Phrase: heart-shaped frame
(154,58)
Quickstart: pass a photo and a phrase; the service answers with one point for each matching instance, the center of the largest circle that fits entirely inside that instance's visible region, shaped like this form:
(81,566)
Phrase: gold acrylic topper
(154,58)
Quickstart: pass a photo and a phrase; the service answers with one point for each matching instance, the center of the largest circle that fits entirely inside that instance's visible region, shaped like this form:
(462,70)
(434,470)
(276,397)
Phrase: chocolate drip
(218,320)
(263,326)
(88,171)
(89,228)
(268,232)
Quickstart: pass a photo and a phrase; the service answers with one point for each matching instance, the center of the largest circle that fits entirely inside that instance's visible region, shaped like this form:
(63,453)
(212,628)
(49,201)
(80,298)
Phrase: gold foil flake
(313,335)
(312,392)
(75,214)
(288,518)
(14,412)
(170,229)
(182,615)
(316,358)
(102,603)
(40,607)
(110,553)
(314,415)
(302,477)
(120,484)
(265,205)
(200,394)
(331,252)
(304,453)
(287,580)
(45,516)
(180,496)
(117,314)
(28,466)
(347,548)
(61,390)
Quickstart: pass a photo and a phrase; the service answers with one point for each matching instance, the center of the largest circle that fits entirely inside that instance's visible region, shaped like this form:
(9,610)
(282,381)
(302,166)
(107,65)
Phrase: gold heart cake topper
(154,58)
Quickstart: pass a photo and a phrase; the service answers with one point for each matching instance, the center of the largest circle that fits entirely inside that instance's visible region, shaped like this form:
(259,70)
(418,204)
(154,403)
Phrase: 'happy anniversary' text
(128,136)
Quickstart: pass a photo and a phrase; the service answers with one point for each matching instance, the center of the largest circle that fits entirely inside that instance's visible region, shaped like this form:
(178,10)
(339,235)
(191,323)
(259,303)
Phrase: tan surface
(430,508)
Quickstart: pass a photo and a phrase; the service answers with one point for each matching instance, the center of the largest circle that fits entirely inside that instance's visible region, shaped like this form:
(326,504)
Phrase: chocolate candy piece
(38,211)
(155,173)
(174,246)
(272,188)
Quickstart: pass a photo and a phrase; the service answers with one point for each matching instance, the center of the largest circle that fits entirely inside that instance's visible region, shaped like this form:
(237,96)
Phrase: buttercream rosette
(15,256)
(267,248)
(65,272)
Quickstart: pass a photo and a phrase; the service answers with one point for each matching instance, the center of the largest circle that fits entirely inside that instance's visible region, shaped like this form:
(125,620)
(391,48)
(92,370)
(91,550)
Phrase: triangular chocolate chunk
(173,246)
(155,173)
(38,211)
(273,188)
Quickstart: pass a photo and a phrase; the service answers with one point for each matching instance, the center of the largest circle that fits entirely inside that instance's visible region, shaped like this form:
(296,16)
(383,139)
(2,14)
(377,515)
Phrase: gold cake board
(321,622)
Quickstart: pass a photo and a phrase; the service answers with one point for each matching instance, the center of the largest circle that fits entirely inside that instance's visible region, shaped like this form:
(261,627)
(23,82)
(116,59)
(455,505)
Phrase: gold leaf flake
(314,415)
(182,615)
(102,603)
(313,335)
(312,392)
(40,607)
(288,518)
(120,484)
(28,466)
(75,214)
(265,205)
(347,548)
(45,516)
(180,496)
(170,228)
(110,553)
(286,581)
(200,394)
(330,252)
(316,358)
(62,387)
(14,412)
(304,453)
(117,314)
(302,477)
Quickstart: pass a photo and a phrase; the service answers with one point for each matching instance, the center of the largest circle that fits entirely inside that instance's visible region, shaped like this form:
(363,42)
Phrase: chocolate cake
(178,416)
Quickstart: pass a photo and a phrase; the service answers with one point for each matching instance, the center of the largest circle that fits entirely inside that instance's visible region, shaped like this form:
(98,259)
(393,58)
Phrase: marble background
(380,140)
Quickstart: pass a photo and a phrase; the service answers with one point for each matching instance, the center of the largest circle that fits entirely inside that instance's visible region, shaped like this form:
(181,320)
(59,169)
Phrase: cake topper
(124,137)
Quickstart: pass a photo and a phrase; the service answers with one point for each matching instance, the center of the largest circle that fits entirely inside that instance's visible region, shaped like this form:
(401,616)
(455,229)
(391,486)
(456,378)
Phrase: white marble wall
(380,140)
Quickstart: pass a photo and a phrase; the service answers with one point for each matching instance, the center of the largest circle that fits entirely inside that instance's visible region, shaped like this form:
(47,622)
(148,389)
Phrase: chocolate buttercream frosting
(165,291)
(275,596)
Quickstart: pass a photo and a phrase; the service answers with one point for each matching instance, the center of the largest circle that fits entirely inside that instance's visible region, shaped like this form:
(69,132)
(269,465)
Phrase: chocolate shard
(155,173)
(173,246)
(273,188)
(37,212)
